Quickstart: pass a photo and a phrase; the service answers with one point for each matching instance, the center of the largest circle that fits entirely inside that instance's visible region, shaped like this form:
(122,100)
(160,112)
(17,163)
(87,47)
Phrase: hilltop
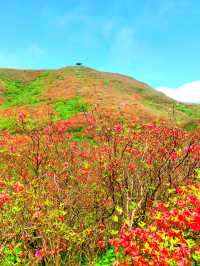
(67,91)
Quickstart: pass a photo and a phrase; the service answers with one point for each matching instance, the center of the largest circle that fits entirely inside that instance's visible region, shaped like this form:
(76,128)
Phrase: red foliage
(59,194)
(169,238)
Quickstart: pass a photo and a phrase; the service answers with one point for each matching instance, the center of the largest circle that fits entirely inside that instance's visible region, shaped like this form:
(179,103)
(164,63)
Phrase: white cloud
(188,93)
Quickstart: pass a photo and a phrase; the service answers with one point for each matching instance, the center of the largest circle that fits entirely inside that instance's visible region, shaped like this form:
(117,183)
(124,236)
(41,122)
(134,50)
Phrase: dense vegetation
(116,184)
(69,90)
(128,197)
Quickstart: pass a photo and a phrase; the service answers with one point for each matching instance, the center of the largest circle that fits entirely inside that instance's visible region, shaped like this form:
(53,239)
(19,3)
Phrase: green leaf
(196,256)
(19,244)
(171,190)
(11,258)
(114,232)
(132,205)
(119,210)
(190,242)
(18,251)
(141,224)
(198,173)
(115,218)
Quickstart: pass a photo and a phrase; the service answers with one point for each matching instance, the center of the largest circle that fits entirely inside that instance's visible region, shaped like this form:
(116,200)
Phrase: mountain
(69,90)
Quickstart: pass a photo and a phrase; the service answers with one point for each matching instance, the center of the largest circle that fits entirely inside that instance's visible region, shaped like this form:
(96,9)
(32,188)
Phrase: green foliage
(43,75)
(190,127)
(18,93)
(108,258)
(106,82)
(186,109)
(7,124)
(67,109)
(13,255)
(77,136)
(196,259)
(198,173)
(157,103)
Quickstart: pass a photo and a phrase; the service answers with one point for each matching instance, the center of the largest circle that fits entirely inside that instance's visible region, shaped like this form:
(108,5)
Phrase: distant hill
(38,92)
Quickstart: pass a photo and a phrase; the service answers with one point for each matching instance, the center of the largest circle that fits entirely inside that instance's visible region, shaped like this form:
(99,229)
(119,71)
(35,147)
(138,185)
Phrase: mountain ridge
(33,90)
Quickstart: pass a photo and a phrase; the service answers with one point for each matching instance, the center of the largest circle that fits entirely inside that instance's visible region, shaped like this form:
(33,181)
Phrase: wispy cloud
(188,93)
(123,47)
(68,18)
(78,27)
(81,19)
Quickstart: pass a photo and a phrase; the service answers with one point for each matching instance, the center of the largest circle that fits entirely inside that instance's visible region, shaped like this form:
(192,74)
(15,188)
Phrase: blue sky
(156,41)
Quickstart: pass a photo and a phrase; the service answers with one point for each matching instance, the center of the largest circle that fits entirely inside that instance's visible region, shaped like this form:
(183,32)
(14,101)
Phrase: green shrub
(6,123)
(107,259)
(185,109)
(190,126)
(18,93)
(68,108)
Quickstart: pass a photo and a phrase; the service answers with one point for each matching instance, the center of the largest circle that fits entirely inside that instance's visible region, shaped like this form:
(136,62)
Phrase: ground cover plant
(134,187)
(29,90)
(6,123)
(20,93)
(68,108)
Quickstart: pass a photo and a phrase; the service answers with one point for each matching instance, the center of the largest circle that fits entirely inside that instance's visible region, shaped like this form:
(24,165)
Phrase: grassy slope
(31,91)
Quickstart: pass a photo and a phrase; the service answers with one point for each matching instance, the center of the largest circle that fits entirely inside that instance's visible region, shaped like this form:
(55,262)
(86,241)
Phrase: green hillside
(34,91)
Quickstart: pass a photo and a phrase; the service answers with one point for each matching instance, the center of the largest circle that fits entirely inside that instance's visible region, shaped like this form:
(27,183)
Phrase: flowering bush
(61,200)
(172,237)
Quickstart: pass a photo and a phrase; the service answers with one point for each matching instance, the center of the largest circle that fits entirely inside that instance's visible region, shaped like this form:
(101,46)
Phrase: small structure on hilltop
(79,64)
